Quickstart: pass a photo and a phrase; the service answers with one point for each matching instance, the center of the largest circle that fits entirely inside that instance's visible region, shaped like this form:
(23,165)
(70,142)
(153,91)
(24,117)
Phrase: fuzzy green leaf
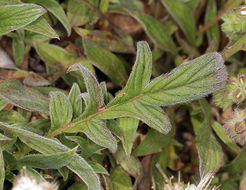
(97,131)
(54,7)
(18,47)
(139,77)
(183,15)
(48,146)
(2,171)
(130,164)
(106,61)
(121,180)
(120,6)
(92,86)
(153,142)
(48,161)
(211,13)
(9,2)
(238,164)
(191,80)
(53,54)
(80,13)
(153,116)
(14,17)
(75,100)
(210,151)
(156,31)
(88,147)
(41,26)
(220,132)
(128,128)
(99,169)
(14,92)
(4,138)
(61,111)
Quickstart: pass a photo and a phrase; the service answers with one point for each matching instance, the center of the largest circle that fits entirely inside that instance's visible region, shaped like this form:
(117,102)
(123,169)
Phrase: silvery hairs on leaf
(189,81)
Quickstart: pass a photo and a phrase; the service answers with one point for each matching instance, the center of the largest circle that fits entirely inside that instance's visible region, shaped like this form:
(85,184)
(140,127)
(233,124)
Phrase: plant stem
(230,50)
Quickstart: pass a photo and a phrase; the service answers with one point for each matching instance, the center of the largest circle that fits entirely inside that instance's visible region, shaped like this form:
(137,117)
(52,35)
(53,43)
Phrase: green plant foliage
(75,107)
(182,14)
(54,7)
(156,31)
(48,146)
(106,61)
(49,161)
(41,26)
(14,92)
(153,142)
(211,12)
(14,17)
(18,50)
(120,179)
(61,111)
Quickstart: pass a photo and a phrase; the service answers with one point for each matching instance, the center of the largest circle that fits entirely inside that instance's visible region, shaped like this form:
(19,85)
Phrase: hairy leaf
(75,100)
(191,80)
(53,54)
(120,179)
(48,146)
(153,142)
(220,131)
(95,130)
(92,86)
(211,13)
(41,26)
(61,111)
(106,61)
(130,164)
(87,146)
(139,77)
(54,7)
(18,50)
(156,31)
(80,13)
(238,164)
(99,169)
(14,17)
(128,128)
(153,116)
(210,151)
(183,15)
(14,92)
(48,161)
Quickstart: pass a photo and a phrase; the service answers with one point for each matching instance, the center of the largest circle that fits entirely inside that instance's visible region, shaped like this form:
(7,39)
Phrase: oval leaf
(48,161)
(61,111)
(183,15)
(14,92)
(54,7)
(192,80)
(14,17)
